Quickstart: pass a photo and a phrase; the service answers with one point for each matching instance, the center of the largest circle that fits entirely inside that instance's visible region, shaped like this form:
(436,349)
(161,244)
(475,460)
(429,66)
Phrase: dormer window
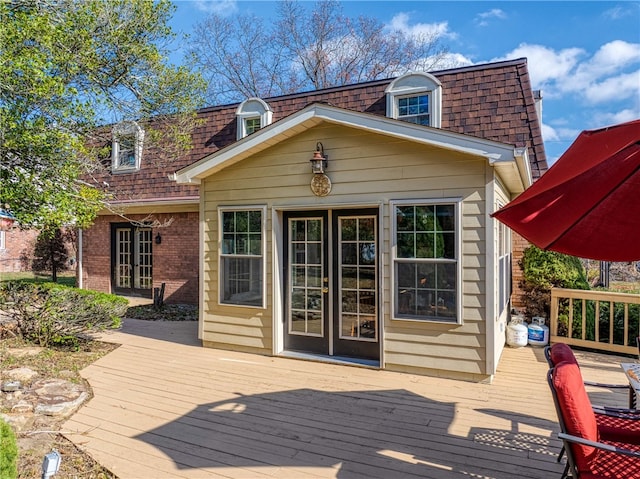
(126,151)
(252,114)
(415,98)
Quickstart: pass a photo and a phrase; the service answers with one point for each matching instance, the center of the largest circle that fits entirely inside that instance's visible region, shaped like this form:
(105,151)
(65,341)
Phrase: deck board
(164,407)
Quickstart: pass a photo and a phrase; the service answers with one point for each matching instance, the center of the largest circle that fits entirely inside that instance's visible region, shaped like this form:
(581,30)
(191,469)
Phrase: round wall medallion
(320,185)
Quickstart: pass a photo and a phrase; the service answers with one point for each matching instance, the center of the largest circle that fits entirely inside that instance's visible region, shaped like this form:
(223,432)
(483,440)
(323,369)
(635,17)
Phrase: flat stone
(21,374)
(57,397)
(10,386)
(27,351)
(19,422)
(22,407)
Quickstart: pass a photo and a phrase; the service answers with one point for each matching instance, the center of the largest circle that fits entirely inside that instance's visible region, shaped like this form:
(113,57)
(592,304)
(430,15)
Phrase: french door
(331,277)
(131,260)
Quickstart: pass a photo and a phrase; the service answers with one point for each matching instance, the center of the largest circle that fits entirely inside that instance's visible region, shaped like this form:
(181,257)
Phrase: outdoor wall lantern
(319,161)
(158,239)
(320,183)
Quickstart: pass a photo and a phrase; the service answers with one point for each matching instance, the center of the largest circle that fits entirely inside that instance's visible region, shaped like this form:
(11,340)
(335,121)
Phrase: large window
(242,257)
(426,261)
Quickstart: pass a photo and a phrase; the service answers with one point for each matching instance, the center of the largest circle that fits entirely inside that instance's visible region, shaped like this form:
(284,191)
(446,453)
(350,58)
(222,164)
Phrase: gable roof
(492,101)
(502,156)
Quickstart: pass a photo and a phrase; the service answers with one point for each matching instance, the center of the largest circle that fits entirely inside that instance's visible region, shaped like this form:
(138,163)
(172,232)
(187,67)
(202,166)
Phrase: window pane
(298,230)
(426,275)
(228,241)
(348,228)
(367,253)
(298,298)
(242,221)
(349,301)
(350,278)
(314,230)
(446,217)
(446,276)
(314,323)
(298,321)
(298,276)
(449,245)
(367,278)
(425,218)
(406,245)
(404,218)
(406,277)
(314,276)
(241,244)
(228,222)
(255,244)
(349,253)
(314,253)
(366,231)
(255,221)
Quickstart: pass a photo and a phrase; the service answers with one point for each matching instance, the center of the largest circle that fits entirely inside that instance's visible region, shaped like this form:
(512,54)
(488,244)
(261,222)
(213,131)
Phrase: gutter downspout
(79,265)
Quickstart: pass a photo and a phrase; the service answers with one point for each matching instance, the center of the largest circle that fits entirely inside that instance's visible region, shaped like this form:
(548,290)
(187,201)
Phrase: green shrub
(8,452)
(544,270)
(48,313)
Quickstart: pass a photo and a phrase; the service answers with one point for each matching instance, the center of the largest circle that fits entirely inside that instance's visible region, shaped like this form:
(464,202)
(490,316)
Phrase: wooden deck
(164,407)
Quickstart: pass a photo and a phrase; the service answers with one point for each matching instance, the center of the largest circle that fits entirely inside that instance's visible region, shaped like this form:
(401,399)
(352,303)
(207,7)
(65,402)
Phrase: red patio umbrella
(588,203)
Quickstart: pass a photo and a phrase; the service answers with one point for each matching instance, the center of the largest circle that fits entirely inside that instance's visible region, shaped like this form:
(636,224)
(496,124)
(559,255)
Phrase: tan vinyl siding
(366,169)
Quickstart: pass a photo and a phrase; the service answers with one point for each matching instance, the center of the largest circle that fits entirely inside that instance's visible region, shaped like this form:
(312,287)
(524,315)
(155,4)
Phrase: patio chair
(593,451)
(559,352)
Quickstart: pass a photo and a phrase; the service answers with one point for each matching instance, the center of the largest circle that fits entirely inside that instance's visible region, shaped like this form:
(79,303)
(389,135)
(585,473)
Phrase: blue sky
(584,56)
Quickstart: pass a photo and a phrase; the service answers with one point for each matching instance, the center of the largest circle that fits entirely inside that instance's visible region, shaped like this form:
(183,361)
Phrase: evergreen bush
(8,452)
(544,270)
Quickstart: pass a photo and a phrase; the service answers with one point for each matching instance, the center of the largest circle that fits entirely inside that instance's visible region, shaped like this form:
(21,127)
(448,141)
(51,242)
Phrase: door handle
(325,289)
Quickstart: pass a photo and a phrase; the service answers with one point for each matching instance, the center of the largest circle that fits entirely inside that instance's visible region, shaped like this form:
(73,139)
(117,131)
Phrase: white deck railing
(574,313)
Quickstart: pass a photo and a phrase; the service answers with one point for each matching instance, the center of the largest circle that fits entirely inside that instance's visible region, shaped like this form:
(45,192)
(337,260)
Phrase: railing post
(554,312)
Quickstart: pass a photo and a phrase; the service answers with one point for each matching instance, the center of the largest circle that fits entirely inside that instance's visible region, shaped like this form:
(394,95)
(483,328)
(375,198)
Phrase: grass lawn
(66,278)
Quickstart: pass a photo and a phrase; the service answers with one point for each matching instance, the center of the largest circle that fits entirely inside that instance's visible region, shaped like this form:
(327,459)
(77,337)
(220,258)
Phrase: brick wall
(18,250)
(175,259)
(519,244)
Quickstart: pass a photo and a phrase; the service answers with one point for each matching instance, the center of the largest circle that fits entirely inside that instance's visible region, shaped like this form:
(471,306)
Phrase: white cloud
(400,22)
(614,88)
(545,65)
(603,77)
(549,133)
(618,12)
(219,7)
(620,116)
(482,19)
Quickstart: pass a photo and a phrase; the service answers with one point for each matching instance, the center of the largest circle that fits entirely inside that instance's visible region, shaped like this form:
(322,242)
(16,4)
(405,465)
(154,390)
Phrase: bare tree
(304,49)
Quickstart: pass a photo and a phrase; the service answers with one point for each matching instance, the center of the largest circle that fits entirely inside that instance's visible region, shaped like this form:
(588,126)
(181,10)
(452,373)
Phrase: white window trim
(504,249)
(457,202)
(3,239)
(249,109)
(127,128)
(263,234)
(414,84)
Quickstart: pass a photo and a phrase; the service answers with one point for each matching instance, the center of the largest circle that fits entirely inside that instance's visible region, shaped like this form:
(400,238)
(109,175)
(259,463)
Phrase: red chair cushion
(560,352)
(609,465)
(617,429)
(575,408)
